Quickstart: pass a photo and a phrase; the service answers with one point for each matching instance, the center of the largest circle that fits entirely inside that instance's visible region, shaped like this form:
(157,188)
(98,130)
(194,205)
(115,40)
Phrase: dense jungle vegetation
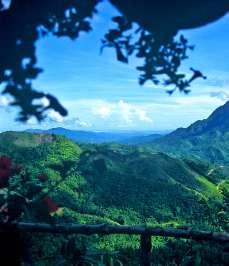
(112,184)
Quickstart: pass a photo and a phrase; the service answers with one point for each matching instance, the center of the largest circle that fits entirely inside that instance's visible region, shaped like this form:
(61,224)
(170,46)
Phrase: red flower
(52,206)
(5,162)
(5,170)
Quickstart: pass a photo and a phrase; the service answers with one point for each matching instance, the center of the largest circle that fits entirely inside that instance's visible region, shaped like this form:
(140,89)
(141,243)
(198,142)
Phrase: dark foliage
(20,27)
(161,59)
(153,40)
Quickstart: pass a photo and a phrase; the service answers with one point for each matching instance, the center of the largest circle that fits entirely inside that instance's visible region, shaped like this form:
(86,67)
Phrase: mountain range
(102,137)
(177,180)
(218,121)
(206,139)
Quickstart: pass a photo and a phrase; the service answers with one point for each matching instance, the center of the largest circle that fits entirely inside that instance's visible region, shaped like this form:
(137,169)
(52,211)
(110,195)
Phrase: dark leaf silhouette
(146,29)
(120,55)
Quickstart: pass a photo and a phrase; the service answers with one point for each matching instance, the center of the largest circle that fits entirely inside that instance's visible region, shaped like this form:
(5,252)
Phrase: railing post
(145,250)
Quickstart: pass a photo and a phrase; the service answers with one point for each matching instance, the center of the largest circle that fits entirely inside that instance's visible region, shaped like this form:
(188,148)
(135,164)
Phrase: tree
(145,29)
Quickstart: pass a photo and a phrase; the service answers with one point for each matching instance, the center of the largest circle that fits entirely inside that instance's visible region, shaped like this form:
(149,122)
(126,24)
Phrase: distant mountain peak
(207,139)
(217,121)
(100,136)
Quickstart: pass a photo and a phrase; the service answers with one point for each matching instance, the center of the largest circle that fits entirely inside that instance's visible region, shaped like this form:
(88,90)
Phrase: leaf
(120,56)
(170,92)
(118,19)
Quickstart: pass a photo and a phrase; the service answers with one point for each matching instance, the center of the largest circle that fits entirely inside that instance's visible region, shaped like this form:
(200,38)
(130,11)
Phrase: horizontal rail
(105,229)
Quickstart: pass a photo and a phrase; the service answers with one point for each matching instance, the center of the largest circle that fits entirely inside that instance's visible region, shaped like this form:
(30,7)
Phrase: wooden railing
(145,233)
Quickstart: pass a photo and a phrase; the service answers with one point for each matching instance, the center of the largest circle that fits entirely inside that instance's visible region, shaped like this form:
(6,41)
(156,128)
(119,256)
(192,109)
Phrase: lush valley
(116,184)
(179,180)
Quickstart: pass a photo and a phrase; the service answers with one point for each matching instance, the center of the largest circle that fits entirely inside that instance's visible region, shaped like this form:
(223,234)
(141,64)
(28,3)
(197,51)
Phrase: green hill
(212,146)
(119,185)
(207,139)
(151,185)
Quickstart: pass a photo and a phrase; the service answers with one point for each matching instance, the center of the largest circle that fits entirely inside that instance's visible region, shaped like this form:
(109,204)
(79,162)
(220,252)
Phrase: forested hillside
(206,139)
(115,184)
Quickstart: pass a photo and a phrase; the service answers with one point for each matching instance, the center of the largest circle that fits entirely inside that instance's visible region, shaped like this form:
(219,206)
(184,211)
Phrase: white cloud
(222,95)
(78,123)
(190,102)
(121,111)
(157,113)
(143,116)
(104,110)
(4,101)
(32,121)
(55,116)
(44,102)
(126,111)
(83,124)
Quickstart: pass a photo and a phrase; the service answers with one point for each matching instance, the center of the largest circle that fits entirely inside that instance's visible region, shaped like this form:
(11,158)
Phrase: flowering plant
(20,190)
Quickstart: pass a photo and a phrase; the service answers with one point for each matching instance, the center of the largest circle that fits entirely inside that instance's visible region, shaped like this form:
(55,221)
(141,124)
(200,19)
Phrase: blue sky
(103,94)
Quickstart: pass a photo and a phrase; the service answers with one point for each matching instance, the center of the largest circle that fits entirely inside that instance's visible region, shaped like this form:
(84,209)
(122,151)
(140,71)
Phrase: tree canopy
(145,29)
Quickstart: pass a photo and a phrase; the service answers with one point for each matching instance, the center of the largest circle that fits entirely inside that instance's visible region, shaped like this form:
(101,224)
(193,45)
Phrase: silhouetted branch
(26,21)
(105,229)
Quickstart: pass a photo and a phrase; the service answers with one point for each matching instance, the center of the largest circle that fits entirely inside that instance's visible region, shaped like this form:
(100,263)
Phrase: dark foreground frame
(103,229)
